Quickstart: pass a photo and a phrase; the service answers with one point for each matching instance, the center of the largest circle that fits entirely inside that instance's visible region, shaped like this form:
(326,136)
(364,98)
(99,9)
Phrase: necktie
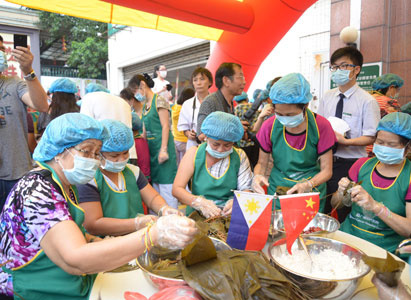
(340,106)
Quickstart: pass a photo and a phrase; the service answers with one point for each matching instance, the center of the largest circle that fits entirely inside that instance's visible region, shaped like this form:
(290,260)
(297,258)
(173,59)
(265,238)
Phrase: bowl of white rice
(333,272)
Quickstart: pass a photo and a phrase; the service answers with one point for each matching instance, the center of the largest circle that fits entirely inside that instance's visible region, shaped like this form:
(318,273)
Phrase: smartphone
(20,40)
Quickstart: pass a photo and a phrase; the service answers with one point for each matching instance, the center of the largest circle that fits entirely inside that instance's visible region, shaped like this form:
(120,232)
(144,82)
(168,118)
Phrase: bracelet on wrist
(160,211)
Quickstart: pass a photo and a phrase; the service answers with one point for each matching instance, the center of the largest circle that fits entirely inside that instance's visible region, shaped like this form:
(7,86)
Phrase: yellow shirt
(175,114)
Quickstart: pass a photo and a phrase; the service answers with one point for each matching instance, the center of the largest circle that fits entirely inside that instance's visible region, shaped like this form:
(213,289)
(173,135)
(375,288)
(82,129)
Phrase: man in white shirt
(202,80)
(356,107)
(102,105)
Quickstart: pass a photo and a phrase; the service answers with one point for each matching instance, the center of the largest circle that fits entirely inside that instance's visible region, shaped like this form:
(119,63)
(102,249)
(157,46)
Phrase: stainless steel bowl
(320,288)
(326,223)
(150,257)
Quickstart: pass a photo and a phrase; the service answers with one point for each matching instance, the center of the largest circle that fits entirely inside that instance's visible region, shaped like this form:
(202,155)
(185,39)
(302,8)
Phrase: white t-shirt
(159,84)
(102,105)
(188,118)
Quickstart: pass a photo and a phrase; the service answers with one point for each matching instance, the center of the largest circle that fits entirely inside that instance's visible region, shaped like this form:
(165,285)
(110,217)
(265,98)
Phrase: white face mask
(163,74)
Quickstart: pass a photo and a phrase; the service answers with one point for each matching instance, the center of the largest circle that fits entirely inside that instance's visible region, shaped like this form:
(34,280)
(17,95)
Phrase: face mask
(388,155)
(341,77)
(217,154)
(396,96)
(3,61)
(140,97)
(114,166)
(291,121)
(83,171)
(163,74)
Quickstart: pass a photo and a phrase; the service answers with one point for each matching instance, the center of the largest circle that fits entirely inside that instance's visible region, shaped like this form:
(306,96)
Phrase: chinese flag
(298,210)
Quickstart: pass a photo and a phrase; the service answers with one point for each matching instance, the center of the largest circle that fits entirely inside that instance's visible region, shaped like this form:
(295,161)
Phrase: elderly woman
(113,200)
(299,141)
(156,119)
(44,248)
(381,208)
(215,167)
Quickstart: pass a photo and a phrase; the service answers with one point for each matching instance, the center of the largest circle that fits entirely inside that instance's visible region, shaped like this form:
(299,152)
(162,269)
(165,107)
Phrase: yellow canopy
(108,13)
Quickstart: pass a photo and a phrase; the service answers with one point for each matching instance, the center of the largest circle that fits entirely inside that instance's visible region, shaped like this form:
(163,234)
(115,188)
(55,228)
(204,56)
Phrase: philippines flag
(250,221)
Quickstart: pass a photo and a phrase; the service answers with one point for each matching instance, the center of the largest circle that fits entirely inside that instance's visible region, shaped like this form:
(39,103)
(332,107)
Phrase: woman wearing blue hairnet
(113,200)
(45,250)
(156,119)
(299,141)
(386,90)
(381,203)
(63,100)
(216,168)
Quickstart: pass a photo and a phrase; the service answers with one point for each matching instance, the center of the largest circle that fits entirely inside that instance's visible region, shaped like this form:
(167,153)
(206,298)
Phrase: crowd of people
(130,166)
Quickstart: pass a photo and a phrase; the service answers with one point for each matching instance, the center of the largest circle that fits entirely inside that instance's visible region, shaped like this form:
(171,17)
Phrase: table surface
(111,286)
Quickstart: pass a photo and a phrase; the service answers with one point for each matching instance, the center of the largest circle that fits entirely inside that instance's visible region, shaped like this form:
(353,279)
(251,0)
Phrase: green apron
(220,190)
(164,173)
(292,165)
(373,229)
(120,204)
(41,279)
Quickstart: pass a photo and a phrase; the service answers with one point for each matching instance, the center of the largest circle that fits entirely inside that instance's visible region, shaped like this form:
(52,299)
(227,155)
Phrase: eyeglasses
(334,68)
(242,77)
(89,154)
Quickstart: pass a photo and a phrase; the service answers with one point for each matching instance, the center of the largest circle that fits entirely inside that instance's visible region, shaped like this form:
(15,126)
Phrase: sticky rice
(327,264)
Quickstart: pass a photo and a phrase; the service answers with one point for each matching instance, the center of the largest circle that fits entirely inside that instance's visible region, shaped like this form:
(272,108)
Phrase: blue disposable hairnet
(406,108)
(67,131)
(291,89)
(63,85)
(136,122)
(398,123)
(96,87)
(387,80)
(257,93)
(264,94)
(241,97)
(269,84)
(120,137)
(222,126)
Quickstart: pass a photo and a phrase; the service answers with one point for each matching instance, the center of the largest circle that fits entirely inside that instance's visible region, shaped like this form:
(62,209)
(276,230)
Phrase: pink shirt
(378,179)
(326,141)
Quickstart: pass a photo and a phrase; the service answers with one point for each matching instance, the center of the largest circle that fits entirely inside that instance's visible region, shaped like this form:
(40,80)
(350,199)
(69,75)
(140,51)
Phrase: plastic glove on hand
(258,182)
(228,208)
(175,232)
(143,220)
(343,184)
(168,210)
(387,293)
(299,188)
(206,207)
(363,199)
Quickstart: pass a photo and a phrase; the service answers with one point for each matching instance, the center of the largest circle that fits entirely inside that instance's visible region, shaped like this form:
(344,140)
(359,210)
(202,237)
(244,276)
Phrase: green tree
(86,41)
